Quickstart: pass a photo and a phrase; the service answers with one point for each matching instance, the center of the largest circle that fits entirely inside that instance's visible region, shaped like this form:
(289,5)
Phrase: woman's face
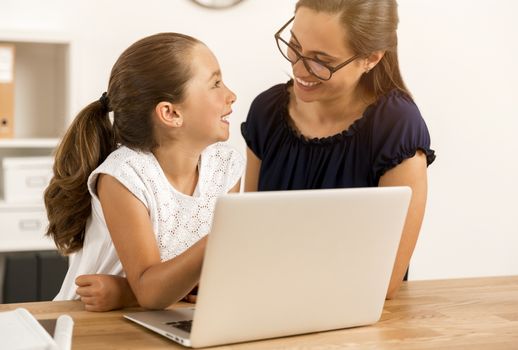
(321,36)
(208,101)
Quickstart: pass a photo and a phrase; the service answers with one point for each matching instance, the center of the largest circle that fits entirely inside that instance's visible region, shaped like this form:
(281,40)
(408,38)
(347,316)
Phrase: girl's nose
(231,97)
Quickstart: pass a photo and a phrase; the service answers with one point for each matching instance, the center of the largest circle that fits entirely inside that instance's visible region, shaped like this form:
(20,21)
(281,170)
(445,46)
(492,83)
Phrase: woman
(346,119)
(135,199)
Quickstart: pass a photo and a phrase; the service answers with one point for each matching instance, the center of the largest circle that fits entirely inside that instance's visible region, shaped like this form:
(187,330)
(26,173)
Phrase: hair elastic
(105,102)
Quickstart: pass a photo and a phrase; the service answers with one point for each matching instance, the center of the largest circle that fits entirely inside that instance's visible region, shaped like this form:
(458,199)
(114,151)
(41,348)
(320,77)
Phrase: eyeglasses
(315,67)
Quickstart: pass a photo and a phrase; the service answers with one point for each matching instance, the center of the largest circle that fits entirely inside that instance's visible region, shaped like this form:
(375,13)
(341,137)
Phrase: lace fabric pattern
(178,220)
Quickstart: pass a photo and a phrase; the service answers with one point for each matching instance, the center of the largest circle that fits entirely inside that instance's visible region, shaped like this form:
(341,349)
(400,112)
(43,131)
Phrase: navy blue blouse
(390,131)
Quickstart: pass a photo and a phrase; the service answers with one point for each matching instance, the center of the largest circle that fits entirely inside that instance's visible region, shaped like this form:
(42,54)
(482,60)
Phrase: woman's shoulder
(271,98)
(395,112)
(395,106)
(274,92)
(265,113)
(397,131)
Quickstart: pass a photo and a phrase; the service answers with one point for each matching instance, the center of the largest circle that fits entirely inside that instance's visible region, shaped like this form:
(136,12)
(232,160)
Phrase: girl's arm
(155,284)
(411,172)
(105,292)
(236,187)
(108,292)
(193,295)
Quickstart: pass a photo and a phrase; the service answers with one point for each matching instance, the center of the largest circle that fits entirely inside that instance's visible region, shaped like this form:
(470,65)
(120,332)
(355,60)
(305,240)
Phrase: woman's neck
(326,117)
(180,166)
(346,106)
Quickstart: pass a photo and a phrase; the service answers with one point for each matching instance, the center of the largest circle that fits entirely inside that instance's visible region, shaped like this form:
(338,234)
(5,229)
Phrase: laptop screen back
(292,262)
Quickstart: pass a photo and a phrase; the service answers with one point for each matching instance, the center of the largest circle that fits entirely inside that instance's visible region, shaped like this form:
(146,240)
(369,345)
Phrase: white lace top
(178,220)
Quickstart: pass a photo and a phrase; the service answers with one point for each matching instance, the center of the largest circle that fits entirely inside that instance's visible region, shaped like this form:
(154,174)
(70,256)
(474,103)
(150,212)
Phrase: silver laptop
(290,262)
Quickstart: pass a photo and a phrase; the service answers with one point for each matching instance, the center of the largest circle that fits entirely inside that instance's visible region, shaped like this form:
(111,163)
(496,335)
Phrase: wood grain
(476,313)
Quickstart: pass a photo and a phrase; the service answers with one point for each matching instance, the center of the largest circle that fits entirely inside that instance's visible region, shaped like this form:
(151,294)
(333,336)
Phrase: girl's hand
(105,292)
(191,297)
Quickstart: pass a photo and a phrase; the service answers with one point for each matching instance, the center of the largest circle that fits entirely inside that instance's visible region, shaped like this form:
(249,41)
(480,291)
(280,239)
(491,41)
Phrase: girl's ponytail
(86,144)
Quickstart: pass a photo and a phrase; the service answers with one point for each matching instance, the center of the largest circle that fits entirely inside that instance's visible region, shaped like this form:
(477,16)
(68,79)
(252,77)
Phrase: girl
(135,197)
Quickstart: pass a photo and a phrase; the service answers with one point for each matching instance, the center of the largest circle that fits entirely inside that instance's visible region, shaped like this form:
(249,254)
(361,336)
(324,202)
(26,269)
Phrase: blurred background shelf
(49,143)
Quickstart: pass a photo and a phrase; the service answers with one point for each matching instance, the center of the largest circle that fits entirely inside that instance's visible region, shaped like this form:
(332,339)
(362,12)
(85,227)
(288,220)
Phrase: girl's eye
(217,84)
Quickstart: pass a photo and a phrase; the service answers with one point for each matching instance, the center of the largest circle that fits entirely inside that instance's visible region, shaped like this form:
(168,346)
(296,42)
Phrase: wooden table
(477,313)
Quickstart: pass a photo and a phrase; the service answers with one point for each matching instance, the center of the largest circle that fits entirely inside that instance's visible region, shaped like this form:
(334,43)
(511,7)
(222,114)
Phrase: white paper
(20,330)
(6,64)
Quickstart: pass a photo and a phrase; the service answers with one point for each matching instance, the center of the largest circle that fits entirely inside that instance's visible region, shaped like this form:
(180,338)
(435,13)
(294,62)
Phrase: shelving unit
(23,227)
(41,109)
(28,143)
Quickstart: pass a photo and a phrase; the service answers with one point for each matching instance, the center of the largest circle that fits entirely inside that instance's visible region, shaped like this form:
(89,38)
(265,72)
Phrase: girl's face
(321,36)
(208,101)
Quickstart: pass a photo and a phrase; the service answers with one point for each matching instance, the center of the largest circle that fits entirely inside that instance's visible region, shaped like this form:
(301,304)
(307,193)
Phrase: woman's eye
(217,84)
(294,45)
(324,62)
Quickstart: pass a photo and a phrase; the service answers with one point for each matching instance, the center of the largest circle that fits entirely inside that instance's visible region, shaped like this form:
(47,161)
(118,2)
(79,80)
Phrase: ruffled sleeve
(400,132)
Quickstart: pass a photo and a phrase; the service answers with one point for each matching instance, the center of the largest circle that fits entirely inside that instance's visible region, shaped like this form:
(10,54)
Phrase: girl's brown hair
(152,70)
(371,25)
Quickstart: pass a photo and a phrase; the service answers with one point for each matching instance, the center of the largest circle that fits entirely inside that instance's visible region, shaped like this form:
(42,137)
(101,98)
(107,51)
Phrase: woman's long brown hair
(150,71)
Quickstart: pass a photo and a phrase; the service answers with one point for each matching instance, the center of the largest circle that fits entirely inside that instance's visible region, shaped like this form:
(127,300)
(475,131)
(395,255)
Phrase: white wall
(458,58)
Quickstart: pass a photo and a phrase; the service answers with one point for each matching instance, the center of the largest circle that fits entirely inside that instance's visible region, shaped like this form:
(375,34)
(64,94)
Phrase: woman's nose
(299,68)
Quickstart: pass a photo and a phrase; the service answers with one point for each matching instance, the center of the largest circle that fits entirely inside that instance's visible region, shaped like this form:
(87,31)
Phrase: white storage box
(26,178)
(23,228)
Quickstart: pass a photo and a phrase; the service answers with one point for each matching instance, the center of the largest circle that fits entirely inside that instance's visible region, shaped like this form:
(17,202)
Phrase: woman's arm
(253,164)
(411,172)
(155,284)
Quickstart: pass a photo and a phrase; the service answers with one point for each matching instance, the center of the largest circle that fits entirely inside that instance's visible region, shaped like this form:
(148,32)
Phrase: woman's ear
(168,114)
(373,59)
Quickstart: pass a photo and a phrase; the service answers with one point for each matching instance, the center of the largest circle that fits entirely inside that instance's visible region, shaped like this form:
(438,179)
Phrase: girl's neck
(180,166)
